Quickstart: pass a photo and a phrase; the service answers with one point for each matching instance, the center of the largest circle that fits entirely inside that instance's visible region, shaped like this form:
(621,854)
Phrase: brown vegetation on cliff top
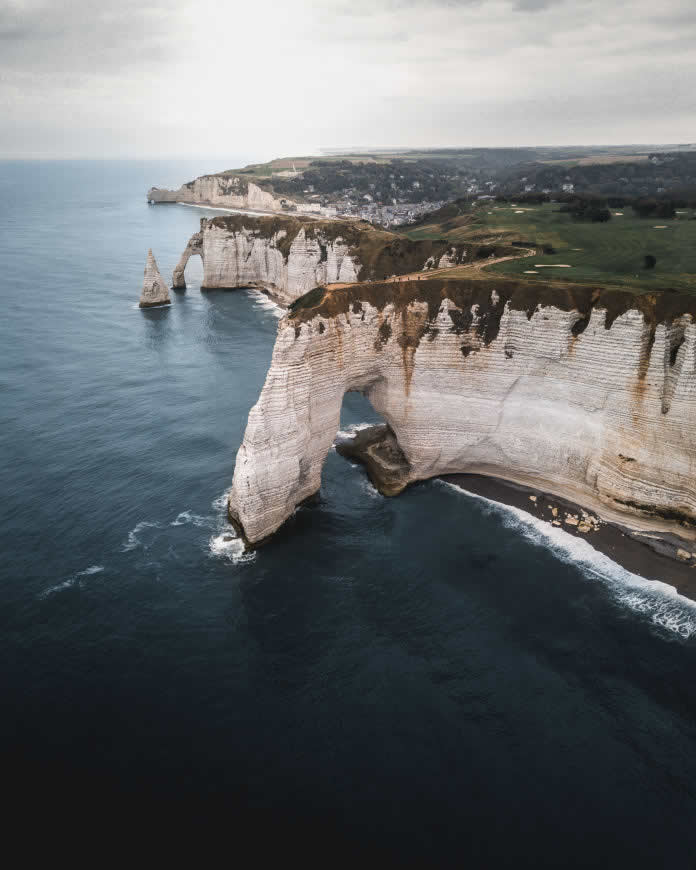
(491,295)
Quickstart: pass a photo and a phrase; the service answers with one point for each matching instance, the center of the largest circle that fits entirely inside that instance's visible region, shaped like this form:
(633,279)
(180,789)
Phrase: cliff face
(222,190)
(588,395)
(290,256)
(155,291)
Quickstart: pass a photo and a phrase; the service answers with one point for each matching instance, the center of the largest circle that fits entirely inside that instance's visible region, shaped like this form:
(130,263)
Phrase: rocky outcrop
(228,191)
(287,257)
(588,395)
(155,291)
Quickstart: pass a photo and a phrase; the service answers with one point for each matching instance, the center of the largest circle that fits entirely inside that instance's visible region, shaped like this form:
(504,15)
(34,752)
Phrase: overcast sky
(118,78)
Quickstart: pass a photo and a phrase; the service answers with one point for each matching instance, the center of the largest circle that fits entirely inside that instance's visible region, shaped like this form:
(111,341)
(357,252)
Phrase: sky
(156,79)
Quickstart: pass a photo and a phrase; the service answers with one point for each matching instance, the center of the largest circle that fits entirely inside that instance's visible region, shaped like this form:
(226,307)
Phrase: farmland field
(613,252)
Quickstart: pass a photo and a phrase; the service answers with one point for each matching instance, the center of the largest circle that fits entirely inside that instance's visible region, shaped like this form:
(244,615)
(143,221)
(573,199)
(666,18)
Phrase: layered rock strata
(287,257)
(228,191)
(586,394)
(155,291)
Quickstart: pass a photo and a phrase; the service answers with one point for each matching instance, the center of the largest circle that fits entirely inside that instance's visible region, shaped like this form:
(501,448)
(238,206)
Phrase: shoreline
(254,212)
(620,545)
(651,555)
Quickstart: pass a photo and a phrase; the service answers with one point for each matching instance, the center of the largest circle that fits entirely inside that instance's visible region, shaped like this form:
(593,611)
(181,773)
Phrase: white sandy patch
(660,227)
(530,272)
(618,214)
(553,266)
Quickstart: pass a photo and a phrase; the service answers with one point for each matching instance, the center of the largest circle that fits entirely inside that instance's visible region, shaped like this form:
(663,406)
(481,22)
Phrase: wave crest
(657,601)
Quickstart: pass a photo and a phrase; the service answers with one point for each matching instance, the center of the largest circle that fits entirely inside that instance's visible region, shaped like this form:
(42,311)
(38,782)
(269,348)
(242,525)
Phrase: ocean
(432,677)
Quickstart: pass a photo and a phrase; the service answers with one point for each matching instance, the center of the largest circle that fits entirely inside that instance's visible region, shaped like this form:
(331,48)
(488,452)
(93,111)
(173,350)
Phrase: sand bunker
(618,214)
(553,266)
(660,227)
(530,272)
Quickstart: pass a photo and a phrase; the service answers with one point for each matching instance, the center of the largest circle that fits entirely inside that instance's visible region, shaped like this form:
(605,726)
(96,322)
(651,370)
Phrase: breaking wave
(189,518)
(351,429)
(659,602)
(133,540)
(74,579)
(369,488)
(261,300)
(227,544)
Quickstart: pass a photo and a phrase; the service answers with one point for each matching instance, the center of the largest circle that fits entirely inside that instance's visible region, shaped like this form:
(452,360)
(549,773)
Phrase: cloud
(67,35)
(532,5)
(184,77)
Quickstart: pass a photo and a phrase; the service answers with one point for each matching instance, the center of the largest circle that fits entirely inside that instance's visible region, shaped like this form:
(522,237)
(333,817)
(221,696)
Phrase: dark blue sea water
(432,675)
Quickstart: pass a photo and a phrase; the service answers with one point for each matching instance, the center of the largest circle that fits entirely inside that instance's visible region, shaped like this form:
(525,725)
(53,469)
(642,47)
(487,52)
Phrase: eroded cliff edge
(586,394)
(222,190)
(287,257)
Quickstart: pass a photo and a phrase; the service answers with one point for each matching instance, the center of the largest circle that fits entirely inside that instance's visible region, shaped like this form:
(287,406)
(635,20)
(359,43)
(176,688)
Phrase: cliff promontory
(586,394)
(287,257)
(228,191)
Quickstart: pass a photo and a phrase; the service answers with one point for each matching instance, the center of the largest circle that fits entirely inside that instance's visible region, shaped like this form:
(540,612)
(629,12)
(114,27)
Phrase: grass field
(610,253)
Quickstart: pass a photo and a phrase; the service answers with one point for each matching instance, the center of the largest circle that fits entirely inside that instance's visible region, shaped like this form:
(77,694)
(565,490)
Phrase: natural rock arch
(194,247)
(485,380)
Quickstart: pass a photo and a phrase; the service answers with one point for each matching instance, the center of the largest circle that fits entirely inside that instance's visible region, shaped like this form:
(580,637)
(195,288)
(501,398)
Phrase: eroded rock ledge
(287,257)
(583,393)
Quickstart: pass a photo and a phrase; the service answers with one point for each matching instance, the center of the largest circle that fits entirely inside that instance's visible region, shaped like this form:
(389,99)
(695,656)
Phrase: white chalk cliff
(587,395)
(287,257)
(155,291)
(228,191)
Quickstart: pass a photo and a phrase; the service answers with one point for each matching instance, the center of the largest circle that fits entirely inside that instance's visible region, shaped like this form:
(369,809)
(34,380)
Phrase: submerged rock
(155,291)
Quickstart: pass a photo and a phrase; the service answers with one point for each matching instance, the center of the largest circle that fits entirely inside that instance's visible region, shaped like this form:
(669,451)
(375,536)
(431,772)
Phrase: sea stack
(155,291)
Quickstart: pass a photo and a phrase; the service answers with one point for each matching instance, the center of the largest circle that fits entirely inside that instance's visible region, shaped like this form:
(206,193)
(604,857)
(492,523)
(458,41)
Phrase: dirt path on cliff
(461,271)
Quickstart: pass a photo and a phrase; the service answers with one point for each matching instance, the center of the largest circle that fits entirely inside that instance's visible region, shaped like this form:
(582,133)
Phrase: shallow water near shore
(434,675)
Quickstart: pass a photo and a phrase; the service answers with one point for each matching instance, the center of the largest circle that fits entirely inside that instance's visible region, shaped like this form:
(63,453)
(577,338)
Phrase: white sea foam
(133,540)
(228,545)
(137,307)
(351,430)
(75,579)
(186,518)
(261,300)
(220,503)
(657,601)
(368,487)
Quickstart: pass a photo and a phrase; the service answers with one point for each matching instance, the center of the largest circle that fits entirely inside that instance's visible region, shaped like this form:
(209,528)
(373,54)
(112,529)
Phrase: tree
(650,261)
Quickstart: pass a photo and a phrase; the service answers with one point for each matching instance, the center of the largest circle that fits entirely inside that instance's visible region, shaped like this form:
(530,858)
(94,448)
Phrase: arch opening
(366,436)
(193,249)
